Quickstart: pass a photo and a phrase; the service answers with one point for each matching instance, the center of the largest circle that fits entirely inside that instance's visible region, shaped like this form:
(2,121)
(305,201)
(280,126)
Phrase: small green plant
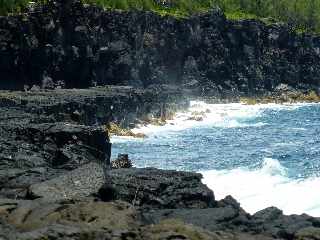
(240,15)
(178,8)
(12,6)
(302,15)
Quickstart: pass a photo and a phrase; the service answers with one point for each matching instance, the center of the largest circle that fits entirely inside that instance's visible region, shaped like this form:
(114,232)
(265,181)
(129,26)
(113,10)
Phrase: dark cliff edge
(46,133)
(84,46)
(53,154)
(76,70)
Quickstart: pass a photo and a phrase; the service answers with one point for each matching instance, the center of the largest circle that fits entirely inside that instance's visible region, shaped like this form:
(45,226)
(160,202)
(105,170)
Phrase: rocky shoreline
(52,178)
(80,73)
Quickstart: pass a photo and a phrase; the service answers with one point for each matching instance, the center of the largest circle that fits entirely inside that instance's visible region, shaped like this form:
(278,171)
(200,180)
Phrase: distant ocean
(262,155)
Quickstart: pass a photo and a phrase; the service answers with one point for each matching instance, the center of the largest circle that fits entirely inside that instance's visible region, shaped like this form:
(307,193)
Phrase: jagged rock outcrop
(154,188)
(53,154)
(47,133)
(88,219)
(95,106)
(85,46)
(147,188)
(37,152)
(227,214)
(93,219)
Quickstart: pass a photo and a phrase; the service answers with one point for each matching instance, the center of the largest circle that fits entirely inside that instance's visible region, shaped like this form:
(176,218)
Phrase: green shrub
(302,15)
(12,6)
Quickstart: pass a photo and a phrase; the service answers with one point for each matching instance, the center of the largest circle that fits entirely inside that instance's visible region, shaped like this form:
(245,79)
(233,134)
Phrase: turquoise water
(264,155)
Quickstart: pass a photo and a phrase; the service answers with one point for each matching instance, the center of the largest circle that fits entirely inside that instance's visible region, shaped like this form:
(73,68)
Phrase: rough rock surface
(274,223)
(147,188)
(47,133)
(53,154)
(92,219)
(32,153)
(52,183)
(122,104)
(89,219)
(156,188)
(79,46)
(228,215)
(82,182)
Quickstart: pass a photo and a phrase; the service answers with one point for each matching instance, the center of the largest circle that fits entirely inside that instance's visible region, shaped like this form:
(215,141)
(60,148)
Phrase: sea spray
(263,155)
(265,187)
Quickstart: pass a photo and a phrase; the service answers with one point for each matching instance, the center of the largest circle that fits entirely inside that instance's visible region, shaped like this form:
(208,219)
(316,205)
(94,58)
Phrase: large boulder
(33,153)
(147,188)
(156,188)
(273,222)
(225,216)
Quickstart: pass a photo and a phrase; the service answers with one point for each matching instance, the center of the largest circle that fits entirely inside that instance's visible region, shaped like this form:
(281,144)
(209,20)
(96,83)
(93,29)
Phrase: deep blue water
(263,155)
(289,134)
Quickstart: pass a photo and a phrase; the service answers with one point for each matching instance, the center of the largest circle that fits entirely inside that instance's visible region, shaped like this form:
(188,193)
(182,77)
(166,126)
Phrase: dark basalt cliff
(81,46)
(47,133)
(53,183)
(54,148)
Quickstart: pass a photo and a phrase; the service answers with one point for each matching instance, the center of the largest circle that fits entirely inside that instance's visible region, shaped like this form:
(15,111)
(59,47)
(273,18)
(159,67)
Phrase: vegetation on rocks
(302,15)
(116,130)
(283,97)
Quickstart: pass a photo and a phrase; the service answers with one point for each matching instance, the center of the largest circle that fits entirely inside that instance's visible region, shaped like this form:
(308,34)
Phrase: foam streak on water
(263,155)
(216,115)
(265,187)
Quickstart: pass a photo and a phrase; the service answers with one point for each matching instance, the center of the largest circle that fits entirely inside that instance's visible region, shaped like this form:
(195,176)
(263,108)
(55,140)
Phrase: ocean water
(263,155)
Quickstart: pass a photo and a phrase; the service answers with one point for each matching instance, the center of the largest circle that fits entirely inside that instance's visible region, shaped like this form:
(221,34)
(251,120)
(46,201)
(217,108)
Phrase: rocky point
(56,180)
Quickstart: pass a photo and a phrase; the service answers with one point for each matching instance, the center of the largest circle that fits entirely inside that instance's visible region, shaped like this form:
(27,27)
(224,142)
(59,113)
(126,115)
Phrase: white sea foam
(123,139)
(216,115)
(265,187)
(254,189)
